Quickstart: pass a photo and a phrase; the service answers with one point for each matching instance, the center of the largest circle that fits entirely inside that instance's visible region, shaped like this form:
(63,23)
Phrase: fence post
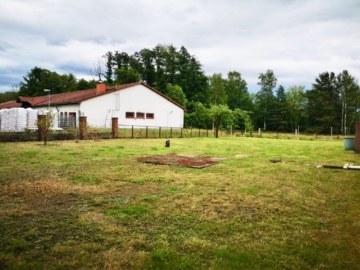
(357,138)
(41,126)
(115,127)
(181,132)
(159,132)
(171,132)
(146,132)
(82,127)
(132,132)
(199,132)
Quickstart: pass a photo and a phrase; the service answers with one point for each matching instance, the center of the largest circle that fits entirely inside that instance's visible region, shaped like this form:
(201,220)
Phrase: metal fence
(189,132)
(161,132)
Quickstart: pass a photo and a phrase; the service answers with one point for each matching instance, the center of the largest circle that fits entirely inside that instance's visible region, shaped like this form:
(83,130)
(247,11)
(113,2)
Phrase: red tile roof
(79,96)
(10,104)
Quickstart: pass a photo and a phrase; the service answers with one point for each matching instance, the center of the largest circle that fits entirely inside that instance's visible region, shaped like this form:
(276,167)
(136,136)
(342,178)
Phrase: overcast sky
(297,39)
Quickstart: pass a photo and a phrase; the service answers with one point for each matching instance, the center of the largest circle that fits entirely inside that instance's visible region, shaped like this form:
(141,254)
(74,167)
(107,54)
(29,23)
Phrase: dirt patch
(182,160)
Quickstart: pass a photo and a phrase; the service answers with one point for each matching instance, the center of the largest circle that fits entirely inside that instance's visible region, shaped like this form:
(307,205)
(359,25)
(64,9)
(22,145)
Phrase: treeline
(331,103)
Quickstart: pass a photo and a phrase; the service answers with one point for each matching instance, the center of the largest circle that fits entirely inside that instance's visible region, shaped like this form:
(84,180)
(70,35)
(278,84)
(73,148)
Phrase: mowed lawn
(92,205)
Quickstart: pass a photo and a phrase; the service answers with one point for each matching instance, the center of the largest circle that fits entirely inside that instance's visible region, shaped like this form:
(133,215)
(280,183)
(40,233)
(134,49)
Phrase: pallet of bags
(32,116)
(5,120)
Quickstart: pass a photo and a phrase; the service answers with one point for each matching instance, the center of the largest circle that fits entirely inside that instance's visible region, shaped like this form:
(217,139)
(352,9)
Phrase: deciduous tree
(350,99)
(265,97)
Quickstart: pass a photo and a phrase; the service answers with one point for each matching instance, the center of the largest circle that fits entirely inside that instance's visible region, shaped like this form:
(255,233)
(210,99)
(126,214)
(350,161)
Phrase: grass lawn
(92,205)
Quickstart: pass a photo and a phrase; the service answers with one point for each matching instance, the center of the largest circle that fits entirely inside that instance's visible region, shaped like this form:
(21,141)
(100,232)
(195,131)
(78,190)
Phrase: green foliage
(296,103)
(164,65)
(217,90)
(236,90)
(126,75)
(198,117)
(324,106)
(220,114)
(176,93)
(350,100)
(109,67)
(38,79)
(9,96)
(84,84)
(279,114)
(265,97)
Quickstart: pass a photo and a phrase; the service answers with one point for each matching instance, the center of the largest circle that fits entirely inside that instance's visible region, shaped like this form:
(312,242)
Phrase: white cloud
(297,39)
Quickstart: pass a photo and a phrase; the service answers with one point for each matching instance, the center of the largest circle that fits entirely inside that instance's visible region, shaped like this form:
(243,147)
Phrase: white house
(133,104)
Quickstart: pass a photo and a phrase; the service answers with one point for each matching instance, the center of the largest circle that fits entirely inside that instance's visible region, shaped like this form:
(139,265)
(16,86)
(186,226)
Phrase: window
(149,116)
(129,115)
(72,120)
(61,120)
(140,115)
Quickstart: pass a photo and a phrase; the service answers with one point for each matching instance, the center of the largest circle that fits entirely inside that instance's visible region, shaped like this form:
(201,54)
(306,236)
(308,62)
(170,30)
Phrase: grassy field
(91,205)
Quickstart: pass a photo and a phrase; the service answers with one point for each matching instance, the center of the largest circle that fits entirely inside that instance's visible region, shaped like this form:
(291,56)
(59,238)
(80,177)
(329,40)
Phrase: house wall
(136,99)
(64,115)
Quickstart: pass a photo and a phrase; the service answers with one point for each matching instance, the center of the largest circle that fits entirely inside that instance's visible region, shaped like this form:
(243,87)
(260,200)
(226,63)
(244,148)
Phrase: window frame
(129,115)
(150,116)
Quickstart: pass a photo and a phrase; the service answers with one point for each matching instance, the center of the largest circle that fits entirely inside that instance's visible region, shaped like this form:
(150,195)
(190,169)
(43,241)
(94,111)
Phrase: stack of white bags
(32,116)
(17,119)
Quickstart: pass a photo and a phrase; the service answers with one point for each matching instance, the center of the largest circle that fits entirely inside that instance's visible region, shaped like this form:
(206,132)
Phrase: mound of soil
(181,160)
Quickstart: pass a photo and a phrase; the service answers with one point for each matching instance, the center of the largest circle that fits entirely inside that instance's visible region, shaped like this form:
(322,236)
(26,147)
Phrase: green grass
(91,205)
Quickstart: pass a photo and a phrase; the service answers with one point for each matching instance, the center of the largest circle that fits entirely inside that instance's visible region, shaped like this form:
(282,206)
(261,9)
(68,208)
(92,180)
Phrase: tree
(350,99)
(10,95)
(126,75)
(97,71)
(296,102)
(39,79)
(68,83)
(265,96)
(280,111)
(217,90)
(176,94)
(220,114)
(165,64)
(243,116)
(84,84)
(324,106)
(236,90)
(199,116)
(46,124)
(109,67)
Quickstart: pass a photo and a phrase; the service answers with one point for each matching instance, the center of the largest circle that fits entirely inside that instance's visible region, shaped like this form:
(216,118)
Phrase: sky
(297,39)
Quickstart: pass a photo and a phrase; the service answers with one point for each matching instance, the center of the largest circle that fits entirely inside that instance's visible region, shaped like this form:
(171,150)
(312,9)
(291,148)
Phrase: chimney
(100,87)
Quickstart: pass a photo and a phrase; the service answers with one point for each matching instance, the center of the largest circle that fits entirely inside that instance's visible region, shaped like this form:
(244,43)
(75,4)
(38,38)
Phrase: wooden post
(82,127)
(357,138)
(132,132)
(115,127)
(41,126)
(159,132)
(171,132)
(146,132)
